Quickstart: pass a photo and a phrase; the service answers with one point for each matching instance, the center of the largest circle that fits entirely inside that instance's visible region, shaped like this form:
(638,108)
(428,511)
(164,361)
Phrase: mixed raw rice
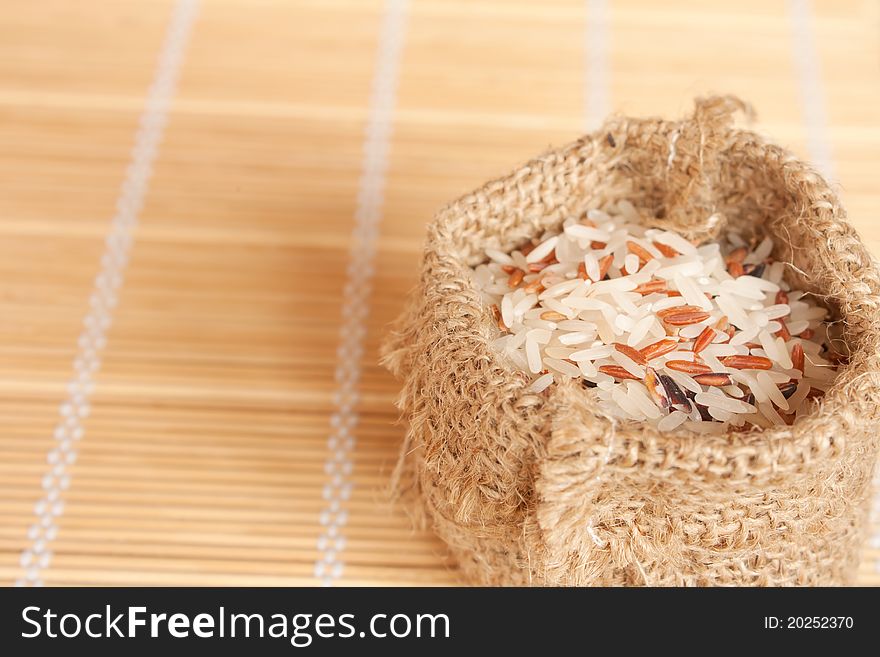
(710,337)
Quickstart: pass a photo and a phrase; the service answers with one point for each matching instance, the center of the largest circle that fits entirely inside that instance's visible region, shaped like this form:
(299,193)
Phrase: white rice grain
(772,390)
(593,354)
(734,391)
(542,250)
(540,384)
(685,266)
(761,253)
(640,330)
(631,263)
(533,356)
(578,337)
(734,312)
(767,410)
(800,394)
(559,289)
(751,382)
(540,323)
(499,257)
(561,353)
(777,269)
(576,325)
(583,303)
(671,421)
(723,402)
(639,396)
(507,311)
(746,335)
(719,414)
(686,381)
(525,304)
(777,310)
(692,331)
(539,336)
(680,355)
(714,363)
(777,377)
(581,232)
(691,292)
(562,367)
(719,350)
(588,369)
(743,288)
(668,302)
(798,327)
(628,405)
(677,242)
(559,307)
(783,357)
(628,364)
(769,345)
(808,313)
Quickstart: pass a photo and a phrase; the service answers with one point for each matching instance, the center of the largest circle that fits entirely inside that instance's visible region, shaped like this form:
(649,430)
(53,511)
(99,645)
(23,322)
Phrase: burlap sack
(544,489)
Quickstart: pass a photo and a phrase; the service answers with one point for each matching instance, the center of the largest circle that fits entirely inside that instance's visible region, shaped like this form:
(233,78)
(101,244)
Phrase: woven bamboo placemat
(189,391)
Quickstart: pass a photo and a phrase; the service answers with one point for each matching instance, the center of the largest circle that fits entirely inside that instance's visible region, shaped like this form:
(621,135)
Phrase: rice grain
(646,318)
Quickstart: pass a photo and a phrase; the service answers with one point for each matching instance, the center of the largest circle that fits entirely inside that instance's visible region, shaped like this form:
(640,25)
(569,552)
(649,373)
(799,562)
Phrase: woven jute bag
(547,490)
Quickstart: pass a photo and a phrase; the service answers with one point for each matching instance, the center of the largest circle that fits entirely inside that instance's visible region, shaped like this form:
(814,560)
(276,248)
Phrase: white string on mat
(70,429)
(812,91)
(356,294)
(596,82)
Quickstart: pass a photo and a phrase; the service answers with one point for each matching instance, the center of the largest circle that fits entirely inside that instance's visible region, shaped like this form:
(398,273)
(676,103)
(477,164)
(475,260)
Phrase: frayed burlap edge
(545,489)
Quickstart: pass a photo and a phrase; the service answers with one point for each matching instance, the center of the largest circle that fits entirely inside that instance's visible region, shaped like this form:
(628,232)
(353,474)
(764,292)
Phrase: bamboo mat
(203,457)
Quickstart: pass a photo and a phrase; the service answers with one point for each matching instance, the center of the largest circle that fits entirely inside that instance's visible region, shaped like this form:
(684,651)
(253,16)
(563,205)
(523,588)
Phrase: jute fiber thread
(545,489)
